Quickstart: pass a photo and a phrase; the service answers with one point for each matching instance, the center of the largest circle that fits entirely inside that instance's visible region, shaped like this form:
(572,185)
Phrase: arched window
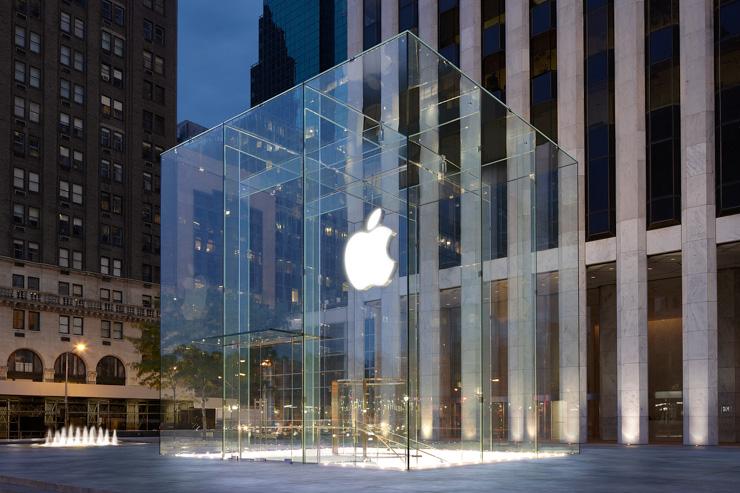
(111,371)
(25,364)
(77,370)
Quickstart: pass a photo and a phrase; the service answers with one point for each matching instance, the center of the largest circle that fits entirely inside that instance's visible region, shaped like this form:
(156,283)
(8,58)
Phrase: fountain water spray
(80,437)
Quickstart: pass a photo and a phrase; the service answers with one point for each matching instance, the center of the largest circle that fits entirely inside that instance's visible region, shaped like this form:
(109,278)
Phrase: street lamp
(77,347)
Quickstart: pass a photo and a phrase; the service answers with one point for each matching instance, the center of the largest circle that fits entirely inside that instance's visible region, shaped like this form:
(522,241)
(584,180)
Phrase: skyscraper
(297,40)
(644,94)
(88,107)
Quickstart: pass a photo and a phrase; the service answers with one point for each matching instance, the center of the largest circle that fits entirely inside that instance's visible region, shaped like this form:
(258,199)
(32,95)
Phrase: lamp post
(77,347)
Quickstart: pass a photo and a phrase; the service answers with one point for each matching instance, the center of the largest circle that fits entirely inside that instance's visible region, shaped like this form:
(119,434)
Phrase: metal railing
(75,303)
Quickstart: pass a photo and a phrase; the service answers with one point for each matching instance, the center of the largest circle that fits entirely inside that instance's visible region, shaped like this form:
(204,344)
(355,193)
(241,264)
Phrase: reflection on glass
(665,346)
(728,336)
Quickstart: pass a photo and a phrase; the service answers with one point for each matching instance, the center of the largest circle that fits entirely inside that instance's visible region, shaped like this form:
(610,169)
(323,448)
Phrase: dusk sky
(217,44)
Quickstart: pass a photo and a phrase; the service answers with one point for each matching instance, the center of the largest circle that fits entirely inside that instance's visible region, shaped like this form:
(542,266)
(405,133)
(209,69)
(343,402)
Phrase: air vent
(64,272)
(20,229)
(64,339)
(20,193)
(20,123)
(106,343)
(20,334)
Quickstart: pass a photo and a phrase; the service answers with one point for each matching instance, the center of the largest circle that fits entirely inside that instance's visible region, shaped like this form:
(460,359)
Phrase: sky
(217,44)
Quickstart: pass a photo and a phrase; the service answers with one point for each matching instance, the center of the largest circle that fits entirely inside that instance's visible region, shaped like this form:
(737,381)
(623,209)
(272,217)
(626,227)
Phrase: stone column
(389,20)
(520,141)
(517,57)
(470,38)
(428,287)
(698,239)
(572,246)
(629,99)
(354,27)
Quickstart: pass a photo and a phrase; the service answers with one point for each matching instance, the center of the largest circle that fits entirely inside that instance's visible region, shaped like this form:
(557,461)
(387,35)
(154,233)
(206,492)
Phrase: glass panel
(377,296)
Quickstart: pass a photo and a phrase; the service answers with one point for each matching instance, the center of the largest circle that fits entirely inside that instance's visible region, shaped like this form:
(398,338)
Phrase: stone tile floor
(139,468)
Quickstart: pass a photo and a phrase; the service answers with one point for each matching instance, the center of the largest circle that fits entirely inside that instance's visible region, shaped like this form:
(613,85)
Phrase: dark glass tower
(297,40)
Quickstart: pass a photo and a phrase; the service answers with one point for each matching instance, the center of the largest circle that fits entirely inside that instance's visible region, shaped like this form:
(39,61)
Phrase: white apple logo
(366,259)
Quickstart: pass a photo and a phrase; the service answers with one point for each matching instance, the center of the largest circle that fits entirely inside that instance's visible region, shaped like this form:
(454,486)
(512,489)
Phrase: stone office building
(88,105)
(645,95)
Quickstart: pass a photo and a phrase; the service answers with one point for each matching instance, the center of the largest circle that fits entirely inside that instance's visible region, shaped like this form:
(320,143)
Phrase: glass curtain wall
(728,335)
(323,325)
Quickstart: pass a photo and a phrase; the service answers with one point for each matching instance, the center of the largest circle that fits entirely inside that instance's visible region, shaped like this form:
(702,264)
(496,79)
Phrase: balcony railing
(74,303)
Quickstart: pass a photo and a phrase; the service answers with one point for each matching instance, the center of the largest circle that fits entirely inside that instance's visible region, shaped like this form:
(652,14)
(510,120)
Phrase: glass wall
(356,313)
(662,59)
(727,104)
(665,348)
(598,35)
(728,335)
(601,333)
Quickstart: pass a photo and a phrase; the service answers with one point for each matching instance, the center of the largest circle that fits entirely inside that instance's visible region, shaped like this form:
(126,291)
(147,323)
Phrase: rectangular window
(33,217)
(63,257)
(105,72)
(63,224)
(79,96)
(371,10)
(159,35)
(77,326)
(105,329)
(18,281)
(79,61)
(148,30)
(105,168)
(64,88)
(20,107)
(20,72)
(158,65)
(105,234)
(104,137)
(34,254)
(77,226)
(63,288)
(116,267)
(449,30)
(78,129)
(117,204)
(78,160)
(65,55)
(19,178)
(63,324)
(117,296)
(105,265)
(34,112)
(117,173)
(117,109)
(64,125)
(64,189)
(119,15)
(34,79)
(147,182)
(105,41)
(105,105)
(19,214)
(117,141)
(80,28)
(77,260)
(105,201)
(34,321)
(118,46)
(35,42)
(117,330)
(117,78)
(146,301)
(148,64)
(77,194)
(19,249)
(33,283)
(33,182)
(65,22)
(77,290)
(20,36)
(19,320)
(33,146)
(19,143)
(104,294)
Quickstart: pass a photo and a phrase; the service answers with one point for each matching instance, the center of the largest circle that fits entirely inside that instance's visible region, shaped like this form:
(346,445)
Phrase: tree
(200,370)
(149,369)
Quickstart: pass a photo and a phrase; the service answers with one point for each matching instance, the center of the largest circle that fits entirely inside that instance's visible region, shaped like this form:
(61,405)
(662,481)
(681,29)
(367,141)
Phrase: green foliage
(148,370)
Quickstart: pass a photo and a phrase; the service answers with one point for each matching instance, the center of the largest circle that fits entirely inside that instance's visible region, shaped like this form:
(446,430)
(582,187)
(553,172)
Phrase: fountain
(80,437)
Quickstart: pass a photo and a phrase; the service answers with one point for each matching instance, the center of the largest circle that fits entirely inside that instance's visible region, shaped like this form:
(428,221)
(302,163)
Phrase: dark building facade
(297,40)
(187,130)
(89,104)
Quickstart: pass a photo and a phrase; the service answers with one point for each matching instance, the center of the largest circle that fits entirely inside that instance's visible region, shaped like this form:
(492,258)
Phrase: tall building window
(493,47)
(598,37)
(727,111)
(449,30)
(663,119)
(371,11)
(408,16)
(63,324)
(544,116)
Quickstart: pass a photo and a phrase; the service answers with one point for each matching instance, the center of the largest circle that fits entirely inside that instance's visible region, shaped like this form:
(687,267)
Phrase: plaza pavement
(139,468)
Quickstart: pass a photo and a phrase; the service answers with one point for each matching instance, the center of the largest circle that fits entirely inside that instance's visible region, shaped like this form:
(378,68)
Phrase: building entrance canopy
(378,267)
